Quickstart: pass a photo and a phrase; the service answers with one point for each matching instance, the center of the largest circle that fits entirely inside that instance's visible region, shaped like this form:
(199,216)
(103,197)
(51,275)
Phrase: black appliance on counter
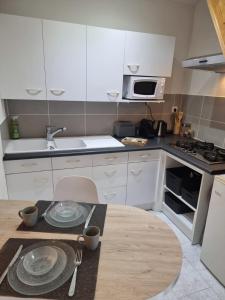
(146,129)
(206,152)
(161,128)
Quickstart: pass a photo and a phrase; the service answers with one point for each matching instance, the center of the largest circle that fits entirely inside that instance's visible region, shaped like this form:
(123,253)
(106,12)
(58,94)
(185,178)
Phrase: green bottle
(14,128)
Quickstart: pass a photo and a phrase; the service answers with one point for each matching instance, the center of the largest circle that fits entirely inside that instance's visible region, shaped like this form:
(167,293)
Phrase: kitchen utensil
(77,262)
(11,263)
(161,128)
(48,277)
(29,215)
(91,237)
(178,119)
(47,209)
(56,220)
(89,216)
(40,260)
(29,290)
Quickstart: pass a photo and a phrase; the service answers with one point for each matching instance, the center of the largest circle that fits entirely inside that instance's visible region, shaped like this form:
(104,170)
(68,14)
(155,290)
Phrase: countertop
(162,143)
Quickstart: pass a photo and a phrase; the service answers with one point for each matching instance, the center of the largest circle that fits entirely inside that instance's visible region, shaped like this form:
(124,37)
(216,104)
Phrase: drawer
(110,159)
(145,155)
(110,176)
(70,162)
(116,195)
(59,174)
(27,165)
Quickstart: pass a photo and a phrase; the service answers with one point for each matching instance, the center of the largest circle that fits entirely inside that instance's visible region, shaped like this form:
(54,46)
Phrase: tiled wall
(82,118)
(207,115)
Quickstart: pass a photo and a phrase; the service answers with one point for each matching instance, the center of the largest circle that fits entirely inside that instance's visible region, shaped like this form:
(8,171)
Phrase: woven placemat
(97,219)
(86,275)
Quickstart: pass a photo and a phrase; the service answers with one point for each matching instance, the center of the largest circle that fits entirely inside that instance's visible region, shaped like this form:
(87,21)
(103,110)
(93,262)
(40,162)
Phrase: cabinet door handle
(144,155)
(33,92)
(28,165)
(110,173)
(111,158)
(109,196)
(57,92)
(133,68)
(113,95)
(137,172)
(72,161)
(218,194)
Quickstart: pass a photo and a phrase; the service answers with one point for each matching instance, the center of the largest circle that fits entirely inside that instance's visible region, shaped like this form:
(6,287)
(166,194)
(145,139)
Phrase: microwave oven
(143,88)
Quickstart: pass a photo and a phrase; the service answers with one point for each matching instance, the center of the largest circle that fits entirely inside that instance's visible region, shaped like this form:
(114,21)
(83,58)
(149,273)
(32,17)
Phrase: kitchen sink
(59,144)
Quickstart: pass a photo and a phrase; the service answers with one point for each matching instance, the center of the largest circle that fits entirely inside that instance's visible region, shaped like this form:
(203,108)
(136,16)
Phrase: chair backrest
(76,188)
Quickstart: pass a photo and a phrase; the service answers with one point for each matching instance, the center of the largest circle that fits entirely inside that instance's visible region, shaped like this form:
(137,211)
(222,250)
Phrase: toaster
(124,129)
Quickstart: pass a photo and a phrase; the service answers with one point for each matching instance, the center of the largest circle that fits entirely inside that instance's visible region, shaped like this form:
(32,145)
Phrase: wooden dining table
(140,255)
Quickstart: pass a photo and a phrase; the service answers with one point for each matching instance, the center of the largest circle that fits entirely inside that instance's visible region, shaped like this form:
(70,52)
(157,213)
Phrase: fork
(47,209)
(77,262)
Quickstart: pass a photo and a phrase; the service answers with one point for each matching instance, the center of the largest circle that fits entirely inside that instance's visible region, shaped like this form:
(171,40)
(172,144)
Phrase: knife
(89,217)
(11,263)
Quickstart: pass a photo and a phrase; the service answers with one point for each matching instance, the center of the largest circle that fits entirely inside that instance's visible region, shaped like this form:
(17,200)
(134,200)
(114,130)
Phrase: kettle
(161,128)
(146,129)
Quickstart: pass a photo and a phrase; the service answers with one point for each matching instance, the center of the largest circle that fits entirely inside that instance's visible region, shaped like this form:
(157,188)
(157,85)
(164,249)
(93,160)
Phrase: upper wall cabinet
(21,58)
(148,54)
(105,55)
(65,60)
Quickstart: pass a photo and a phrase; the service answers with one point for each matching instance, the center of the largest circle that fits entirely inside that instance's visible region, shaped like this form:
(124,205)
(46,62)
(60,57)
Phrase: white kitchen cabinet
(141,185)
(148,54)
(105,54)
(65,60)
(59,174)
(30,186)
(115,195)
(22,73)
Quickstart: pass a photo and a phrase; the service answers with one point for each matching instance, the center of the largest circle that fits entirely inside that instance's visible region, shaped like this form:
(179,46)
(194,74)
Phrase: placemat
(86,275)
(97,219)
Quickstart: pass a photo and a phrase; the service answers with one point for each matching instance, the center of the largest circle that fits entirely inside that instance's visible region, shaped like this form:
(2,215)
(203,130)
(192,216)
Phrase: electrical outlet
(174,108)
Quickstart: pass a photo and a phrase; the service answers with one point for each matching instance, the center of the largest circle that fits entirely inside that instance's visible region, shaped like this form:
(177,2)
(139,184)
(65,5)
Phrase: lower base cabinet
(141,185)
(115,195)
(30,186)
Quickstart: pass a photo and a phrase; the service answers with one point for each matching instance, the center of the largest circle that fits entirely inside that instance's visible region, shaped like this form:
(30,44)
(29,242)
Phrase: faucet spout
(51,134)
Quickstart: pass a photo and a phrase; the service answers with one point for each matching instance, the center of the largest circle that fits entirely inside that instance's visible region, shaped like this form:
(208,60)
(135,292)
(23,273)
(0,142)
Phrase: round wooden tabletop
(140,255)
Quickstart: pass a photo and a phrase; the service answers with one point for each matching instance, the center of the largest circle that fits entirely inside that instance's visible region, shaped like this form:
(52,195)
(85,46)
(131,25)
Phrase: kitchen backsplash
(207,115)
(82,118)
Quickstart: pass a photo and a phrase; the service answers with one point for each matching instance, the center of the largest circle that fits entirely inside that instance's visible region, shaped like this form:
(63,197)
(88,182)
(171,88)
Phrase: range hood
(214,62)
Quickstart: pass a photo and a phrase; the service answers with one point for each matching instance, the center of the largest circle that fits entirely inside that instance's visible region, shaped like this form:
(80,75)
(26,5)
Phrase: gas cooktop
(206,152)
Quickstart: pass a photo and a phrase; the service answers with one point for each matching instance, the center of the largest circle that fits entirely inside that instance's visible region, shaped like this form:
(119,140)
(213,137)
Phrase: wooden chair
(76,188)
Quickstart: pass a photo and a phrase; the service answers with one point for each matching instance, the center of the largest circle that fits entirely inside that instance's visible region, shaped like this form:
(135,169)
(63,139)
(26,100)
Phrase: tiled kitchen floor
(195,281)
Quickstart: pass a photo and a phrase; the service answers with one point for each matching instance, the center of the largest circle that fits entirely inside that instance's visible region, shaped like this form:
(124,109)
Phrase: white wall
(170,17)
(204,41)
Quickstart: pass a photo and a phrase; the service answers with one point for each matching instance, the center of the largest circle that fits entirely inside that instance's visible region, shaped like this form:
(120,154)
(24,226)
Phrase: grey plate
(34,280)
(85,209)
(29,290)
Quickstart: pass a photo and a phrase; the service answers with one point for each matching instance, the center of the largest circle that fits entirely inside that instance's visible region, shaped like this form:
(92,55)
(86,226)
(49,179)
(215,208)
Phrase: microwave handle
(133,68)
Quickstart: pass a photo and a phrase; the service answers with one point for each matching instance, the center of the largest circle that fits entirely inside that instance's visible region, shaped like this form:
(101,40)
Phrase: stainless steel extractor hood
(214,62)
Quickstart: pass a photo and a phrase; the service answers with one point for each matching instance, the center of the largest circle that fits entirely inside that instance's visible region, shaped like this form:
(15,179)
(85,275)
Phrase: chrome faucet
(51,134)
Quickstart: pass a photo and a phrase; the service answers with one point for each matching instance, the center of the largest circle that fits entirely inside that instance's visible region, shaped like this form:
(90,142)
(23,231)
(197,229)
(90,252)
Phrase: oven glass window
(145,88)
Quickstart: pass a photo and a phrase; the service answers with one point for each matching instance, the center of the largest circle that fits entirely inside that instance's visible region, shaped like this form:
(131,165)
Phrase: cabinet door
(59,174)
(105,54)
(65,60)
(141,187)
(22,60)
(30,186)
(148,54)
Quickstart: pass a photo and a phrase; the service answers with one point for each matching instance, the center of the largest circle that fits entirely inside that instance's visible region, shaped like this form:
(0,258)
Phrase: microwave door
(145,89)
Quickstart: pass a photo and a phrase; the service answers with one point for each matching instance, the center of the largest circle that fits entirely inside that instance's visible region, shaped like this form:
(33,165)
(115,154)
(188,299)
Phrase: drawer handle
(136,173)
(29,165)
(113,95)
(133,68)
(57,92)
(109,196)
(218,194)
(144,155)
(110,173)
(72,161)
(33,92)
(111,158)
